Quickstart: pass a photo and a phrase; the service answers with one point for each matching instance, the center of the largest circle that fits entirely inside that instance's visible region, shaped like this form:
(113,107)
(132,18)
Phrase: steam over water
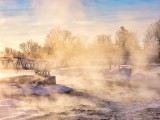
(96,91)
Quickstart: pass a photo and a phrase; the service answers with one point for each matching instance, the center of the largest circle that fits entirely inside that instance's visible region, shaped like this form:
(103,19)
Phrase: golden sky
(22,20)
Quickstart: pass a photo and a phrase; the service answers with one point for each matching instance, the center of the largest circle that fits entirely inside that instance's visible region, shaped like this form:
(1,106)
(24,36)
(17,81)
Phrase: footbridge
(24,63)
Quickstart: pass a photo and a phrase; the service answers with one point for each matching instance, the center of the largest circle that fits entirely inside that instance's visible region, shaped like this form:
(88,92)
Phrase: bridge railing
(23,63)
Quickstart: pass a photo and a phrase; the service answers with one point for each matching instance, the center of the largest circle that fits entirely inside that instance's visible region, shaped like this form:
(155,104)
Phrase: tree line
(64,48)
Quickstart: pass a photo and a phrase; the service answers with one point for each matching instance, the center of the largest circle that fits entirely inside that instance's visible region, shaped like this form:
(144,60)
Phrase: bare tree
(152,39)
(62,45)
(103,40)
(122,37)
(58,38)
(127,43)
(31,49)
(9,52)
(1,53)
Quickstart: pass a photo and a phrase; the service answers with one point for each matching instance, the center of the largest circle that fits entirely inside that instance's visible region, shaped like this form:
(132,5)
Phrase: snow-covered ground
(14,73)
(98,93)
(11,109)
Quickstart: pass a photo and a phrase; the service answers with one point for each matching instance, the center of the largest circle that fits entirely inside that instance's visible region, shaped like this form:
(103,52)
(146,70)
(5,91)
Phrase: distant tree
(58,38)
(122,37)
(1,53)
(103,40)
(126,39)
(31,49)
(62,45)
(152,39)
(127,42)
(103,44)
(78,45)
(9,52)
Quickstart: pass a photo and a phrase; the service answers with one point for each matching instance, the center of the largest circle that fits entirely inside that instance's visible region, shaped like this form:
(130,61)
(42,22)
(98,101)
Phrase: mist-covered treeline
(65,48)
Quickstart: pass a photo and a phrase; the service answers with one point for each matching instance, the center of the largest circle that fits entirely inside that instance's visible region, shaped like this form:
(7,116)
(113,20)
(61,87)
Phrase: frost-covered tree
(152,39)
(127,43)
